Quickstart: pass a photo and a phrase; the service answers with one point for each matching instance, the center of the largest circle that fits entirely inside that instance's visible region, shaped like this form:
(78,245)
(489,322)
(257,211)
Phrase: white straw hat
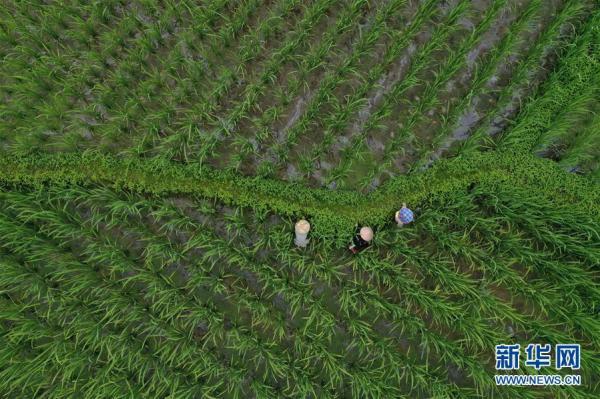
(366,233)
(302,226)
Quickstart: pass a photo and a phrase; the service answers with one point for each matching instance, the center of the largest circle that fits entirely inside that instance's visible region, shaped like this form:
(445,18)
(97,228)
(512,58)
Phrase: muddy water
(404,112)
(384,85)
(424,132)
(459,85)
(484,103)
(503,77)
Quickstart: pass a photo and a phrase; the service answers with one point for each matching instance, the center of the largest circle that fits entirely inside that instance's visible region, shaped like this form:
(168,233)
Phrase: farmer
(301,229)
(361,240)
(404,216)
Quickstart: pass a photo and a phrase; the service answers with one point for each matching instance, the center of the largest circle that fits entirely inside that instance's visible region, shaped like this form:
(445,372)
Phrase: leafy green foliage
(215,294)
(334,213)
(155,156)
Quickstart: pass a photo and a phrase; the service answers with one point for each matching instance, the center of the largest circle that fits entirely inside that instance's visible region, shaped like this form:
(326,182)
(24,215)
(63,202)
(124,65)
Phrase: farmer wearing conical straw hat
(404,216)
(361,240)
(301,228)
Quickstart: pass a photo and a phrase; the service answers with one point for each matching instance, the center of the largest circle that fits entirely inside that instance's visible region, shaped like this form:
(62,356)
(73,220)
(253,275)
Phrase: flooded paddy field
(338,95)
(143,254)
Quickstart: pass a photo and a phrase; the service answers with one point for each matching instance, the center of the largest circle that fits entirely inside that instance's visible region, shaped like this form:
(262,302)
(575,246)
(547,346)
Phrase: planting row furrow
(429,97)
(129,94)
(481,306)
(353,299)
(57,114)
(238,109)
(356,144)
(181,74)
(551,37)
(547,227)
(318,329)
(364,47)
(483,72)
(27,83)
(299,299)
(178,351)
(188,121)
(343,110)
(312,63)
(495,262)
(118,346)
(157,252)
(75,355)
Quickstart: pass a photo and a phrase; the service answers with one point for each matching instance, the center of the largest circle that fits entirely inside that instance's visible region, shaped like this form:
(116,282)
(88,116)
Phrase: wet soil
(96,119)
(276,99)
(502,78)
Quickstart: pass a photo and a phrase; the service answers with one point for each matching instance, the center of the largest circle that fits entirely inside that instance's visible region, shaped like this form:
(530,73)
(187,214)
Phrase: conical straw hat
(302,226)
(366,233)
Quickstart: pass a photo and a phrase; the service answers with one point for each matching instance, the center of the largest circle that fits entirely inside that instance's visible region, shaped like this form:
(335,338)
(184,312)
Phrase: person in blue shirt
(404,216)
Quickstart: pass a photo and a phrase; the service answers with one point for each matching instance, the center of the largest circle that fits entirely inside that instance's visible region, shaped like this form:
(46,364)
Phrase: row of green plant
(153,247)
(499,244)
(29,67)
(208,92)
(54,214)
(160,343)
(140,98)
(91,65)
(405,137)
(319,60)
(520,81)
(356,147)
(364,48)
(564,99)
(147,102)
(206,144)
(25,213)
(483,71)
(317,57)
(109,99)
(341,111)
(189,109)
(431,90)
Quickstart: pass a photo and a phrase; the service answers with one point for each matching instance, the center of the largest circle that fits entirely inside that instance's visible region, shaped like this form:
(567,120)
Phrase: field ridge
(334,212)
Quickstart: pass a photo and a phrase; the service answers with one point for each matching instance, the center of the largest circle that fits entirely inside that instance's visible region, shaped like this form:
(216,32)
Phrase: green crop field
(155,156)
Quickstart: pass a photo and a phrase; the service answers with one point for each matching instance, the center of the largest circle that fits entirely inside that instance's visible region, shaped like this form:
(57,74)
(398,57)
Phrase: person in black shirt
(361,240)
